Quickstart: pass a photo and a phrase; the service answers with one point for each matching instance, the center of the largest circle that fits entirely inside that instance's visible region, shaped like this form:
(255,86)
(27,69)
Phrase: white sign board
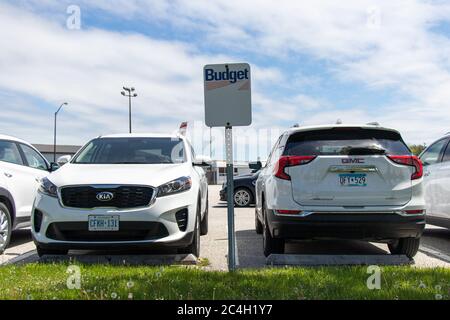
(227,95)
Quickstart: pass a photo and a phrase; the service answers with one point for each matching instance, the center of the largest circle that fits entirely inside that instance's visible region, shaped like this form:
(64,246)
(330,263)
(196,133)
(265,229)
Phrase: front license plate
(353,180)
(103,223)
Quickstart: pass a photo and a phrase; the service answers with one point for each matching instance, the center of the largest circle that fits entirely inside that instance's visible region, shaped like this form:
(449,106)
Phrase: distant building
(217,174)
(61,150)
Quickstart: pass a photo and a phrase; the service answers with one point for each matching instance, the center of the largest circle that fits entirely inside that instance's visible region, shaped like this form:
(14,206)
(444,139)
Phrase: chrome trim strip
(308,213)
(348,169)
(107,186)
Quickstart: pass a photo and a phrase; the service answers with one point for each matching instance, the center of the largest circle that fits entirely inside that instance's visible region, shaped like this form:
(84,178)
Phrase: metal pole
(230,189)
(54,139)
(129,110)
(210,142)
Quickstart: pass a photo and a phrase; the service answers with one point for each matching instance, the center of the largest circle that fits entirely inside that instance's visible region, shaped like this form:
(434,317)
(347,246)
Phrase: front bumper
(374,226)
(223,194)
(153,226)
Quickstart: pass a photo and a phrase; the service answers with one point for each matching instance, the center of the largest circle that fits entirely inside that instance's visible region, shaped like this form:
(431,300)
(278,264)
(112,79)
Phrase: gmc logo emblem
(353,160)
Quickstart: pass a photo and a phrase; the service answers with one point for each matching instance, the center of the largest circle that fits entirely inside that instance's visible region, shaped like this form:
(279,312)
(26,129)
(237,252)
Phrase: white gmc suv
(130,190)
(21,169)
(341,182)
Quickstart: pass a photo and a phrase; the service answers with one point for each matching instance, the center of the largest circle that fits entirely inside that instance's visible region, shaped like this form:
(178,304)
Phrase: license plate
(353,180)
(103,223)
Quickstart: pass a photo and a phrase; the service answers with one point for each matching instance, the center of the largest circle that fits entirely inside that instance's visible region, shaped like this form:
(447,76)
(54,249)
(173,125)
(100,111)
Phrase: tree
(417,149)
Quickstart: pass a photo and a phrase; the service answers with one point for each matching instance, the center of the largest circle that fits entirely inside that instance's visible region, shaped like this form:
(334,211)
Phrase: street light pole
(54,131)
(130,94)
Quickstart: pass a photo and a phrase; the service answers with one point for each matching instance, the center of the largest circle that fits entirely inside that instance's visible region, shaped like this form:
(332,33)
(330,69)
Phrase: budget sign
(227,95)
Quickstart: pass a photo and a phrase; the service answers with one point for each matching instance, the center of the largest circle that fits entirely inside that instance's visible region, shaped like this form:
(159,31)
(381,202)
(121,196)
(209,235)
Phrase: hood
(247,176)
(139,174)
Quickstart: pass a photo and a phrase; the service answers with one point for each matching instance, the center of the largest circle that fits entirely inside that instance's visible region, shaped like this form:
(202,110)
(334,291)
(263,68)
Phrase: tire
(270,245)
(194,247)
(242,197)
(258,224)
(406,246)
(43,252)
(5,227)
(204,223)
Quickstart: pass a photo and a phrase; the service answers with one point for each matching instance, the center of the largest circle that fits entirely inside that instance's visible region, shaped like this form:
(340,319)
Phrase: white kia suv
(21,169)
(130,190)
(341,182)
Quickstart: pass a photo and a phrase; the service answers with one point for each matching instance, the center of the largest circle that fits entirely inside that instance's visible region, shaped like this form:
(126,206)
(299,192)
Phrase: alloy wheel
(242,198)
(4,229)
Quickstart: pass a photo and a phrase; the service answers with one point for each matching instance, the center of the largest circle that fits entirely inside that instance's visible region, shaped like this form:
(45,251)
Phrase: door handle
(426,174)
(8,175)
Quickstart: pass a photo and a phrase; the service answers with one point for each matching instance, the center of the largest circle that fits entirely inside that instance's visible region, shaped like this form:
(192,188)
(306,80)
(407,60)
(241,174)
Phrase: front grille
(129,231)
(123,197)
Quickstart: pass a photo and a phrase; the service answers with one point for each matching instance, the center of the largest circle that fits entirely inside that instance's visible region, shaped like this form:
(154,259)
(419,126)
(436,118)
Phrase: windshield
(346,141)
(132,151)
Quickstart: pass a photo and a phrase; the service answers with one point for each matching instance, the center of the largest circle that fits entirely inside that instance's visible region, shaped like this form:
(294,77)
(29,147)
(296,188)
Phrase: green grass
(48,281)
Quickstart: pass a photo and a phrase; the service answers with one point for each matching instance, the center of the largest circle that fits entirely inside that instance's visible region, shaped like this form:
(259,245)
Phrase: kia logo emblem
(105,196)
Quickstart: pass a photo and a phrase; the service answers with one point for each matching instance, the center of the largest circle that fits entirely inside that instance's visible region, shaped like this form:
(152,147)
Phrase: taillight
(290,161)
(412,161)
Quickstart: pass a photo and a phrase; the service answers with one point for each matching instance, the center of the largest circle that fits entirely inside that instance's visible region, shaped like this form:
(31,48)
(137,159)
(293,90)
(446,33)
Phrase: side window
(9,152)
(34,159)
(275,153)
(446,154)
(433,153)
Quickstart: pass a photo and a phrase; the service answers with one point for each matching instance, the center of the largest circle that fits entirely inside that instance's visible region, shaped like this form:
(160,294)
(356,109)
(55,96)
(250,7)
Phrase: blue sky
(312,62)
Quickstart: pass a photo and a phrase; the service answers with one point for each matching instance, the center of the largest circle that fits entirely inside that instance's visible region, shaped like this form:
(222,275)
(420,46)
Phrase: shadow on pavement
(438,240)
(250,248)
(20,237)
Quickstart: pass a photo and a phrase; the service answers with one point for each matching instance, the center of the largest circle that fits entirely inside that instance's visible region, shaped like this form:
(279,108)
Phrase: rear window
(346,141)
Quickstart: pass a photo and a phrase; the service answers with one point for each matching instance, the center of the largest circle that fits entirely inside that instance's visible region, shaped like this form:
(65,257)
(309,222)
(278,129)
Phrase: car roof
(11,138)
(332,126)
(141,135)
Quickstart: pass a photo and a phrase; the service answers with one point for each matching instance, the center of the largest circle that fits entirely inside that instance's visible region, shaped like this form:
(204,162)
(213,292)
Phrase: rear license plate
(353,180)
(103,223)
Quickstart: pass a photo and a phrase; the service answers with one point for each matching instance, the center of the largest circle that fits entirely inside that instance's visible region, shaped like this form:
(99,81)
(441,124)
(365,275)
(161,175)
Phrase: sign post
(228,104)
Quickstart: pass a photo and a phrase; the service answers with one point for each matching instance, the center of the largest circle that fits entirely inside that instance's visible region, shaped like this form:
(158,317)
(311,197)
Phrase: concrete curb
(27,257)
(336,260)
(133,260)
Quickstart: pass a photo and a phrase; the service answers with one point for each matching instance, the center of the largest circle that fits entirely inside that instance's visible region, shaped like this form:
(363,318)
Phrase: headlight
(48,188)
(175,186)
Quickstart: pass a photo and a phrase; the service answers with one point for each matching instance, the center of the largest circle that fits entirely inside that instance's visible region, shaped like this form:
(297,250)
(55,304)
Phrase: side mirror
(63,160)
(255,165)
(202,161)
(54,166)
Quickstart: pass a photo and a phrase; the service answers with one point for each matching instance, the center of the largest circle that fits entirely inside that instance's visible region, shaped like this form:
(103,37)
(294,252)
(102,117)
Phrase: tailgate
(372,180)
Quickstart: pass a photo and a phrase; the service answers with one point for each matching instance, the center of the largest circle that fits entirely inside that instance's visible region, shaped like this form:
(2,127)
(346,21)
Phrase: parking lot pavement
(21,243)
(435,249)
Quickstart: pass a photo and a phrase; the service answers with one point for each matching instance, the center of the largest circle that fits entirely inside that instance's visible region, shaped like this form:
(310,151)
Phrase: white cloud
(42,59)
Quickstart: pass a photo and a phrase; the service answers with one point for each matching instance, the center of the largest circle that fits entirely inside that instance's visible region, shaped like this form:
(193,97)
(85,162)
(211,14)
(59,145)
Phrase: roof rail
(373,123)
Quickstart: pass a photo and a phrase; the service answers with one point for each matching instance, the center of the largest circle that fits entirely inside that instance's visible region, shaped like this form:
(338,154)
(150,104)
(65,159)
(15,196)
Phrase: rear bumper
(362,226)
